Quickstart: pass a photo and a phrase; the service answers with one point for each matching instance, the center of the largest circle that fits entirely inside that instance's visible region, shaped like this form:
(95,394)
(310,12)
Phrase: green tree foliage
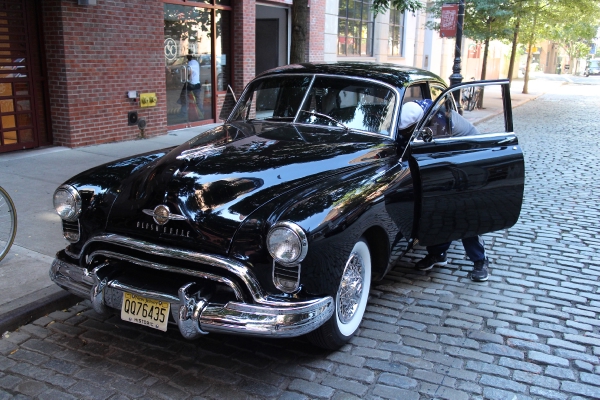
(381,6)
(575,36)
(484,21)
(561,21)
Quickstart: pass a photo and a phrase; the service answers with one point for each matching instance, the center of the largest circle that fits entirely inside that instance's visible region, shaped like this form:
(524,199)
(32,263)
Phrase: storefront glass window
(188,63)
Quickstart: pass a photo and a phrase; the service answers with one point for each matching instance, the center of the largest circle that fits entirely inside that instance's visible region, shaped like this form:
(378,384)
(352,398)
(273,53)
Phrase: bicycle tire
(8,223)
(473,101)
(466,97)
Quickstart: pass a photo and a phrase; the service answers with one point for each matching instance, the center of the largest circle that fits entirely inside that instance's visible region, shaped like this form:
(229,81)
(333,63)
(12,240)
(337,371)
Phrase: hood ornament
(162,215)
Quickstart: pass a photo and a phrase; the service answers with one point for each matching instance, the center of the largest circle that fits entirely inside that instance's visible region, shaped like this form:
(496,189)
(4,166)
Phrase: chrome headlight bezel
(294,233)
(74,204)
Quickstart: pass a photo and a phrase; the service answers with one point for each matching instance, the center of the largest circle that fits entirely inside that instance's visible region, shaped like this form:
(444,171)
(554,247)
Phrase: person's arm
(461,126)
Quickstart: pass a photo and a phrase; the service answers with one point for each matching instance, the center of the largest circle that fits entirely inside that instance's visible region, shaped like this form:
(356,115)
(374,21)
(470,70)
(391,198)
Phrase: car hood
(212,183)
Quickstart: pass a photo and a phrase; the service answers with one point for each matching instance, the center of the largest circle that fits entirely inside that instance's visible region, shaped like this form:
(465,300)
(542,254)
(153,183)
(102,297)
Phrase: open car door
(469,180)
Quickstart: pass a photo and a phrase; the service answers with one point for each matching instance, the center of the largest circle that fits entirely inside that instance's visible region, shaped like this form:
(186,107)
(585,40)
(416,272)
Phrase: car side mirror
(425,134)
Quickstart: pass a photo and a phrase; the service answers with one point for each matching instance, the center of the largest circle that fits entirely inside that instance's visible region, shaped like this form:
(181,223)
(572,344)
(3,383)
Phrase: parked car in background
(275,223)
(592,67)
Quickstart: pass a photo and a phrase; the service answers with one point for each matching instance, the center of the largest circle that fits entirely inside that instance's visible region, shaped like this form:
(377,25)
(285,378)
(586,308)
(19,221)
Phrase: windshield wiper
(313,112)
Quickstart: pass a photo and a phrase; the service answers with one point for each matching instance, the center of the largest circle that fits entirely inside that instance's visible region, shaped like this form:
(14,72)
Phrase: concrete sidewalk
(30,177)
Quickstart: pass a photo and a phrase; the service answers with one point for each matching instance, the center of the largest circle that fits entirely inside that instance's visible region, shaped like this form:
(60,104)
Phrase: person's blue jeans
(474,247)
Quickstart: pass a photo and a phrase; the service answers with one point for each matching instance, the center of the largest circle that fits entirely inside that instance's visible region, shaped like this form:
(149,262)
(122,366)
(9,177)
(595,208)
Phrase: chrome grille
(71,230)
(286,279)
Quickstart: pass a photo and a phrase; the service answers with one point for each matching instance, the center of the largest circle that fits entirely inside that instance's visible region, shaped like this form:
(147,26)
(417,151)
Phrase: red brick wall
(95,54)
(244,23)
(316,36)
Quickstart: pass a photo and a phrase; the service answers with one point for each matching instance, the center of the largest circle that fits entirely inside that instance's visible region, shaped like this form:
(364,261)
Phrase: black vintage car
(276,222)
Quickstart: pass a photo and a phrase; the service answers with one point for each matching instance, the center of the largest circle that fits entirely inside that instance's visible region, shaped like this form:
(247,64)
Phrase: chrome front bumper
(196,316)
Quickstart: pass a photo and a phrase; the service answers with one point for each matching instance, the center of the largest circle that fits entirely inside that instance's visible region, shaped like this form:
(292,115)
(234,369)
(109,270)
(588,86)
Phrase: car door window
(412,93)
(443,120)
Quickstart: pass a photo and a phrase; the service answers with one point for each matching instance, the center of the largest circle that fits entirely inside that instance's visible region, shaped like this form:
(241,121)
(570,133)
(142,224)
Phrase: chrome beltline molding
(279,318)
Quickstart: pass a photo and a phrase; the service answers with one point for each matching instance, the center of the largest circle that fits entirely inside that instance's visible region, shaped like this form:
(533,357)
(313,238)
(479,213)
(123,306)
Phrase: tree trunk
(513,51)
(486,43)
(531,39)
(299,31)
(486,52)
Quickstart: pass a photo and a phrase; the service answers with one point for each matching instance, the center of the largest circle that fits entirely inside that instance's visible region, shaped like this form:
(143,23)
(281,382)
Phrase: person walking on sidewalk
(192,84)
(474,246)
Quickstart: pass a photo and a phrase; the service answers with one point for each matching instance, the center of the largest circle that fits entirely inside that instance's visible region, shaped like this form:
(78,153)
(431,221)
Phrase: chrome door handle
(507,141)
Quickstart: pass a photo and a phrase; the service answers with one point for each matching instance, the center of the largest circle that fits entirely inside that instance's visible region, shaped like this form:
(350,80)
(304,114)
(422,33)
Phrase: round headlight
(287,243)
(67,202)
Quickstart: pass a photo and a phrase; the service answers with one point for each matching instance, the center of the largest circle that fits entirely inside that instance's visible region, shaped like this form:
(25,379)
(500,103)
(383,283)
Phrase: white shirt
(194,77)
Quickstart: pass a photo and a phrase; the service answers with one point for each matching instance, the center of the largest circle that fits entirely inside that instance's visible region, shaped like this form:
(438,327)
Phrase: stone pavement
(531,331)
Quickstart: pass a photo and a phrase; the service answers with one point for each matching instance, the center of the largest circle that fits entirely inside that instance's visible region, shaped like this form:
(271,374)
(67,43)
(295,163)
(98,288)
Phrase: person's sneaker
(431,260)
(480,271)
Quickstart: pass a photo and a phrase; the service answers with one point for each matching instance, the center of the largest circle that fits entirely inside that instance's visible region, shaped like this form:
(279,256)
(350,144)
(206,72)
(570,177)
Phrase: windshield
(330,101)
(594,64)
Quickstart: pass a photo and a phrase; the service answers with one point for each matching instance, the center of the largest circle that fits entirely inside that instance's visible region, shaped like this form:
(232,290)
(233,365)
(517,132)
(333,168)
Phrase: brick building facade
(94,52)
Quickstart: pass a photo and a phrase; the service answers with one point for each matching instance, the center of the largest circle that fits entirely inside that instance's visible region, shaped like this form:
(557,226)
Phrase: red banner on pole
(449,20)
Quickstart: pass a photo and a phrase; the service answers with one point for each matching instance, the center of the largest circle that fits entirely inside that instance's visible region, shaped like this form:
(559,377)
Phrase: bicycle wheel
(8,223)
(466,96)
(473,101)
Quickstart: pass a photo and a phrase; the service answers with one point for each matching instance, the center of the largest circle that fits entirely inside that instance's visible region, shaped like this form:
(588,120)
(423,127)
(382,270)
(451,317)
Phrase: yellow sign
(148,99)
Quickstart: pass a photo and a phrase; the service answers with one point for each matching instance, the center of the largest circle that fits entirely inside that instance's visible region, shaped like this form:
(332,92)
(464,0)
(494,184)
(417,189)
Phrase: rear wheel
(350,301)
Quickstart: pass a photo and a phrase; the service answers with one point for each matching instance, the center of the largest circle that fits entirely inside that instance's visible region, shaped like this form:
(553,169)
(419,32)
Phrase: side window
(435,91)
(412,93)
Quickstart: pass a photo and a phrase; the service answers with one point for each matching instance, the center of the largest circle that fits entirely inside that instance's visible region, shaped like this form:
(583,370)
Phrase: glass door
(188,64)
(17,118)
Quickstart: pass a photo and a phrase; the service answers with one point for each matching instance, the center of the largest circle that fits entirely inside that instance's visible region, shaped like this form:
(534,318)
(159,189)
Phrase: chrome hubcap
(351,287)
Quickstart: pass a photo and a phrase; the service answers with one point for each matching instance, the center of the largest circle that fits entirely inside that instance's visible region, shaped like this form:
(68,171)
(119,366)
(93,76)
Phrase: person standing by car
(192,85)
(474,246)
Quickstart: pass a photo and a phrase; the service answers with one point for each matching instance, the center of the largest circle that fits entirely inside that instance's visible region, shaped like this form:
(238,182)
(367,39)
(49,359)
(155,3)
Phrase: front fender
(334,212)
(99,188)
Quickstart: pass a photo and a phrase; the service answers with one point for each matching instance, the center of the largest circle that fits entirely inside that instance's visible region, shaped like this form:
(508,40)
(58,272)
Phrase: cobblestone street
(531,332)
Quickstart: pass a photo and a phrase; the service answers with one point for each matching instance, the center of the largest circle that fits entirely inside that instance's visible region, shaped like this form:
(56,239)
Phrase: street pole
(456,77)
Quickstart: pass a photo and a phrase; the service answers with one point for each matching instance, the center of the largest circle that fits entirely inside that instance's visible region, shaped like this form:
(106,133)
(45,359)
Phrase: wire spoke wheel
(8,223)
(350,300)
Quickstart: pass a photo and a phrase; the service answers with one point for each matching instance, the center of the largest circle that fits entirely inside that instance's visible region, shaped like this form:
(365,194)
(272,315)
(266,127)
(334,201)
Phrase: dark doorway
(267,44)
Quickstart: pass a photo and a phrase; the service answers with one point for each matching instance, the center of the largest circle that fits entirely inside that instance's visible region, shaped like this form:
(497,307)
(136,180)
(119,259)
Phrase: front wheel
(350,301)
(8,223)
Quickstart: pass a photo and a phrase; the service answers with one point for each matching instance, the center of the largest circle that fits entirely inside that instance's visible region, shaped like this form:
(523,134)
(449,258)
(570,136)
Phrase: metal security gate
(22,85)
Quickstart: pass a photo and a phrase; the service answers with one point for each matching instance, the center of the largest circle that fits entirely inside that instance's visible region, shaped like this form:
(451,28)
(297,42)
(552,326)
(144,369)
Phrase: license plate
(144,311)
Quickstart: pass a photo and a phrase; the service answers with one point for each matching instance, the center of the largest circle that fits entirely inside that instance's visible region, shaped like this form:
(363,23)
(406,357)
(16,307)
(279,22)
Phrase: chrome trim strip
(312,81)
(233,266)
(239,294)
(480,136)
(279,318)
(78,231)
